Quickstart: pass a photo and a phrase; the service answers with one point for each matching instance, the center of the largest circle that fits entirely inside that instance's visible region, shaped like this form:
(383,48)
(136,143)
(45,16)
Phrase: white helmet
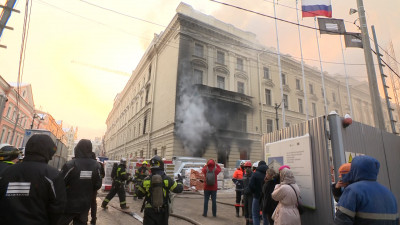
(123,161)
(255,165)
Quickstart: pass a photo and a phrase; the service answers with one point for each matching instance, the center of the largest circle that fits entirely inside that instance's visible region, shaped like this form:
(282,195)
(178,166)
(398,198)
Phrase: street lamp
(33,119)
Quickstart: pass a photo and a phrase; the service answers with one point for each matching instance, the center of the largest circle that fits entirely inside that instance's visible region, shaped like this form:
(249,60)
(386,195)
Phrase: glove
(180,179)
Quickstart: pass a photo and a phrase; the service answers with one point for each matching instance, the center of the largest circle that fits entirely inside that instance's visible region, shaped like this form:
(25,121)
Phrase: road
(187,204)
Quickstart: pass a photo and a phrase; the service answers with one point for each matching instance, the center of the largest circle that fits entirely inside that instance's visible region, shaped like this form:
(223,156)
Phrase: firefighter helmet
(123,161)
(156,162)
(247,164)
(8,152)
(145,163)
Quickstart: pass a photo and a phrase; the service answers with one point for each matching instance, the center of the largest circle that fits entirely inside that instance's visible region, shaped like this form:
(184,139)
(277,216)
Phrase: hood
(40,147)
(83,149)
(211,164)
(286,176)
(362,168)
(262,168)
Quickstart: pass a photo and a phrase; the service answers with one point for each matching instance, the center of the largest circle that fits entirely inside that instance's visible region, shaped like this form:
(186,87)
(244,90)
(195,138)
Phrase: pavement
(188,204)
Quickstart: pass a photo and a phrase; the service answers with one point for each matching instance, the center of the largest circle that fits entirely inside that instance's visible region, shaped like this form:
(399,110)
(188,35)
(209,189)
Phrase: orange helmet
(247,164)
(345,168)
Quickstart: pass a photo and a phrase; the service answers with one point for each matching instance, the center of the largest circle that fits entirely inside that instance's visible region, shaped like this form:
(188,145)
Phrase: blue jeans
(256,212)
(207,195)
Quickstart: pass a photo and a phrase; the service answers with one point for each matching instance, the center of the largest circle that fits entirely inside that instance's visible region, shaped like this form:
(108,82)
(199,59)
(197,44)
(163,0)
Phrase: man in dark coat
(32,192)
(256,183)
(82,179)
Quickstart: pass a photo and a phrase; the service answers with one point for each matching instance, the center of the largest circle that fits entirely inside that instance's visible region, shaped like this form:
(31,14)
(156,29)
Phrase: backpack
(210,177)
(156,191)
(114,171)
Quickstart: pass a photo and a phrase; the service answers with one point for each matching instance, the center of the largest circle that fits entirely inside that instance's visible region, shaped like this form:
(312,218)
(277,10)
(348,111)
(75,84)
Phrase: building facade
(205,88)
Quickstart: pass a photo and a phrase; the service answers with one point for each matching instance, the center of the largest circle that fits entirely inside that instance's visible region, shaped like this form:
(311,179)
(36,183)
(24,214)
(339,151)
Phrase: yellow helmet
(145,163)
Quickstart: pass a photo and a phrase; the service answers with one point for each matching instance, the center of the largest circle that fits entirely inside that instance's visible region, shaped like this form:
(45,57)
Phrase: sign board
(296,153)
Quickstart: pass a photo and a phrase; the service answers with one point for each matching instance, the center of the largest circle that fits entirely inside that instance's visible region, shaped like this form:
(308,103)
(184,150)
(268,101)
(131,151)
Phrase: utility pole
(373,85)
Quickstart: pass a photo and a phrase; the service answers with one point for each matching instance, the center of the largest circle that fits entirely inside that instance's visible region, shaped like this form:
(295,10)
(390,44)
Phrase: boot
(242,209)
(237,211)
(104,205)
(124,207)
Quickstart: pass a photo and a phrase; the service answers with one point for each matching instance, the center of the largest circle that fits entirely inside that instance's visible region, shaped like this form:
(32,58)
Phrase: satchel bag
(300,207)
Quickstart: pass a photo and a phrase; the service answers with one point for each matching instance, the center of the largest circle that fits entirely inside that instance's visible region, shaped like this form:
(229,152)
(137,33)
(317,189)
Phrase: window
(311,87)
(139,129)
(334,97)
(147,94)
(298,84)
(268,100)
(198,50)
(283,79)
(154,151)
(221,57)
(8,135)
(144,124)
(314,109)
(240,87)
(300,101)
(285,101)
(269,125)
(2,135)
(141,153)
(242,122)
(198,76)
(287,124)
(266,73)
(221,82)
(150,72)
(239,64)
(8,111)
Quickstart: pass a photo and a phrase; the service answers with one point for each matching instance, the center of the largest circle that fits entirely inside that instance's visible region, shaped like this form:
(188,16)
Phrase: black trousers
(93,208)
(248,201)
(151,217)
(116,188)
(77,218)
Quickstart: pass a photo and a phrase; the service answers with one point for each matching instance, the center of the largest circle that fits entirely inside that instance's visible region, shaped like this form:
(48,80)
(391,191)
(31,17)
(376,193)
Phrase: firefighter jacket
(4,165)
(141,173)
(238,179)
(32,192)
(121,175)
(170,184)
(364,200)
(82,178)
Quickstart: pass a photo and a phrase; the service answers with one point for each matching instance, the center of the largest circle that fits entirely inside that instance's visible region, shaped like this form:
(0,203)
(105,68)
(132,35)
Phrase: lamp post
(33,119)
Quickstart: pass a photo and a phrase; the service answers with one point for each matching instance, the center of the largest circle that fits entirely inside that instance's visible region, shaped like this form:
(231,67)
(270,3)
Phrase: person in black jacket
(93,206)
(118,186)
(256,183)
(32,192)
(267,202)
(82,179)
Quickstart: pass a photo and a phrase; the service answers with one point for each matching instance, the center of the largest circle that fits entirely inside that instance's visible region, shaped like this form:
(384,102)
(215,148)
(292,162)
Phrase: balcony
(224,95)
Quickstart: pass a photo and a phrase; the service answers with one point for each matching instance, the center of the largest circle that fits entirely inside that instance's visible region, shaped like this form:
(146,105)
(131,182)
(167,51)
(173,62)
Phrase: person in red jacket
(211,189)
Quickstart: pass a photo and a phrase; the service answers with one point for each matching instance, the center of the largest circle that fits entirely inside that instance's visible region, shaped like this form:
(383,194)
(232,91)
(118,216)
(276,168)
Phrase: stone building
(205,88)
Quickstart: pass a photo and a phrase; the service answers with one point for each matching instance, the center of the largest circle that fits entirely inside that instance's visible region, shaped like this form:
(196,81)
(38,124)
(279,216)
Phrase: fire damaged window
(199,50)
(221,57)
(240,87)
(198,76)
(242,122)
(221,82)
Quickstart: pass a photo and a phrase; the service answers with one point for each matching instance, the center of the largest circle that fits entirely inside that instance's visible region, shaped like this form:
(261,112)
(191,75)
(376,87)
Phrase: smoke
(193,128)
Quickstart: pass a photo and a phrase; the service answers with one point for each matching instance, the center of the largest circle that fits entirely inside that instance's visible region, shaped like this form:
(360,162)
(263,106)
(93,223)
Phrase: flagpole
(302,62)
(347,78)
(280,69)
(320,63)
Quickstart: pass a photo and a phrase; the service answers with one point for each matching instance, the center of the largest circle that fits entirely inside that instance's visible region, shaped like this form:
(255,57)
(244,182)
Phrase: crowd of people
(32,192)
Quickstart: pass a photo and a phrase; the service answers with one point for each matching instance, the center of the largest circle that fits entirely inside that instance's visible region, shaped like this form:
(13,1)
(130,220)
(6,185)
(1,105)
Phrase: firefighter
(8,156)
(156,188)
(140,174)
(118,186)
(238,180)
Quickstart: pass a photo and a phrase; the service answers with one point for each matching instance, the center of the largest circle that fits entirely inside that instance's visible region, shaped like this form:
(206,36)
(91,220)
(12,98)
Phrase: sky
(80,53)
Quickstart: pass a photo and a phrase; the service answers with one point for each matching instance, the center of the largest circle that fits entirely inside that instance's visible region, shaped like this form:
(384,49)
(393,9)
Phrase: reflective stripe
(174,186)
(106,200)
(52,186)
(123,203)
(347,211)
(68,172)
(378,216)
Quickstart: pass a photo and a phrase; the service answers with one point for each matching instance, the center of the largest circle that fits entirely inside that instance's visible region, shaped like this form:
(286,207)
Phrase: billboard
(296,153)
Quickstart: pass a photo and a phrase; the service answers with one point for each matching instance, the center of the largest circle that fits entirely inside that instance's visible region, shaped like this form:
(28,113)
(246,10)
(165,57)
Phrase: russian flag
(313,8)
